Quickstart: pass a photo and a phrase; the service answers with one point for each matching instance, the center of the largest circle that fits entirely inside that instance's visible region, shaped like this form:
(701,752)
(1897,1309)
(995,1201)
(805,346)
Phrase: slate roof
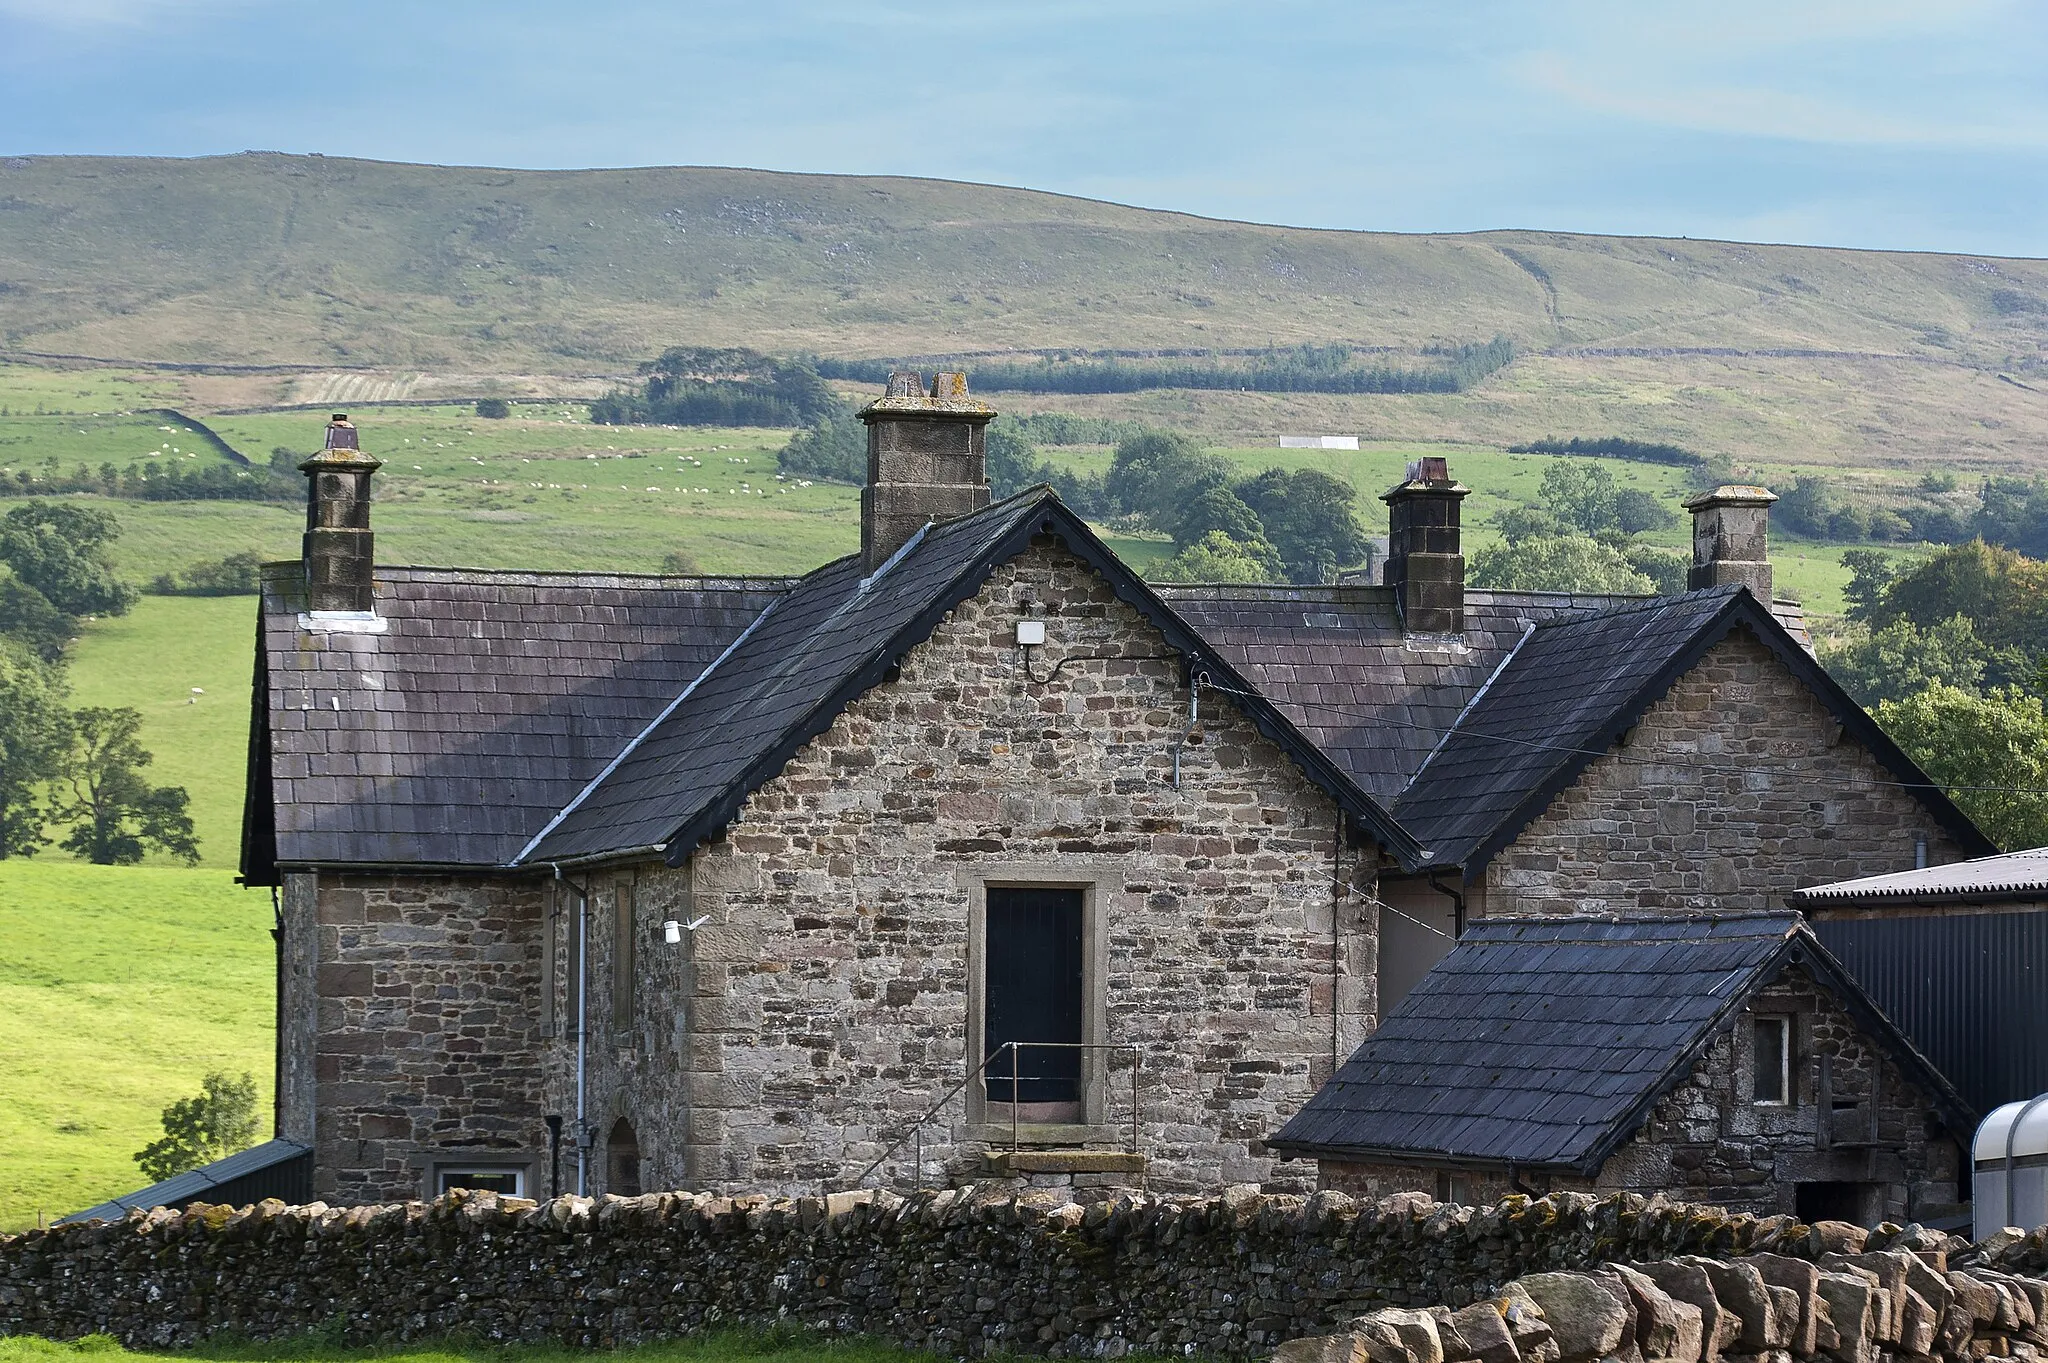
(1546,1043)
(835,635)
(1336,661)
(1567,692)
(485,706)
(504,719)
(2015,875)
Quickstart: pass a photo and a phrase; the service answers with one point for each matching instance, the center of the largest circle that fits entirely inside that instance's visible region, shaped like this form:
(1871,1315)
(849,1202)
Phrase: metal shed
(277,1168)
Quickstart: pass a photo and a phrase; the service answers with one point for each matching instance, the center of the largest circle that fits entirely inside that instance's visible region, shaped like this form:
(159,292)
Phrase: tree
(61,551)
(1636,511)
(1214,558)
(118,815)
(1562,564)
(494,409)
(1217,509)
(28,618)
(1667,569)
(1310,517)
(2004,594)
(1519,523)
(198,1131)
(2014,513)
(834,447)
(680,563)
(34,734)
(1580,493)
(1990,752)
(1155,474)
(1870,572)
(1902,659)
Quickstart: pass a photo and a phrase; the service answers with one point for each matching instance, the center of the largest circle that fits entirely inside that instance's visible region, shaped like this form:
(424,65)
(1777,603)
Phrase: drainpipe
(1336,942)
(1457,903)
(582,1027)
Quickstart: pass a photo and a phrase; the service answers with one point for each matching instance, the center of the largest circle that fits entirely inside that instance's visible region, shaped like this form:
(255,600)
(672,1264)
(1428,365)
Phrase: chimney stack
(1731,539)
(926,460)
(1424,565)
(338,548)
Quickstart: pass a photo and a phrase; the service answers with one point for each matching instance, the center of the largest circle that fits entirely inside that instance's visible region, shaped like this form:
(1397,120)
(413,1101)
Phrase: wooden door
(1033,993)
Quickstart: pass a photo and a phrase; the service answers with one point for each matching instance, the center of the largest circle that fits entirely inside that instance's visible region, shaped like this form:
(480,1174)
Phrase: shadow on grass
(723,1346)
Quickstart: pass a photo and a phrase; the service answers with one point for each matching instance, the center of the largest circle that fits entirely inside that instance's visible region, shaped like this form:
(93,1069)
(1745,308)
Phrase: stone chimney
(338,550)
(925,460)
(1731,539)
(1424,565)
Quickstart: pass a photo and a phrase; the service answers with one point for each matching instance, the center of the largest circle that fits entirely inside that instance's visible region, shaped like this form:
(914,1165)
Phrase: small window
(622,1151)
(624,964)
(482,1179)
(1773,1061)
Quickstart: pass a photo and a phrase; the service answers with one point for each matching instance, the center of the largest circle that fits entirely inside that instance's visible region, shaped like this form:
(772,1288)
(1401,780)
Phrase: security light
(672,931)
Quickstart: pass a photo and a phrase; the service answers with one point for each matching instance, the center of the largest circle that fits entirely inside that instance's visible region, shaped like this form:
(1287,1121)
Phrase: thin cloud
(113,14)
(1755,111)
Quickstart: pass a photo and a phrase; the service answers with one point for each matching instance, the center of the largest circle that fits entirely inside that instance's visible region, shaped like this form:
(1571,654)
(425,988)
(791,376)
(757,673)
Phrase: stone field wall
(961,1273)
(1851,1304)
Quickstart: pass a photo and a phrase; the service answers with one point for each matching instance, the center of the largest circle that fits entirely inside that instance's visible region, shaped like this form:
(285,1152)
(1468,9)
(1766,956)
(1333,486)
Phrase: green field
(121,987)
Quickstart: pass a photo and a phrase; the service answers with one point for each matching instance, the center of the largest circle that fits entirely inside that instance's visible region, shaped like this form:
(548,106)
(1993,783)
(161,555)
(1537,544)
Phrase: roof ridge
(1648,603)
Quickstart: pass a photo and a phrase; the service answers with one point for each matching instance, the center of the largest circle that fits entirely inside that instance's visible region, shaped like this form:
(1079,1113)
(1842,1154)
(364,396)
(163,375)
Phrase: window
(480,1178)
(624,962)
(1773,1079)
(622,1160)
(1033,993)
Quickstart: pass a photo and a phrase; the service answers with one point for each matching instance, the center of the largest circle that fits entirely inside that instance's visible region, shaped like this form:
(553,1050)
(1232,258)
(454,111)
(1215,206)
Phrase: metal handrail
(916,1130)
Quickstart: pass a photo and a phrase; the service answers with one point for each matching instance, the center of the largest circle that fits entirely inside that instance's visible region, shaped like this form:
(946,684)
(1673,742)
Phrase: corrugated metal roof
(2007,876)
(194,1184)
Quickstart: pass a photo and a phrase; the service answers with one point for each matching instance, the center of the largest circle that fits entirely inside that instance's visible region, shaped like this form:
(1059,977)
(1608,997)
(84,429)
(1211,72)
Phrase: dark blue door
(1033,993)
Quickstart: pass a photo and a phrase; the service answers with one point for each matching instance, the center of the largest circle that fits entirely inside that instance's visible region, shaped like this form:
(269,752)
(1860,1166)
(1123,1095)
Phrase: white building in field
(1318,442)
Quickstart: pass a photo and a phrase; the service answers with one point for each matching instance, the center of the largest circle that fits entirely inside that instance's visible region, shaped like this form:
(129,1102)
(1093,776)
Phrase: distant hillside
(273,259)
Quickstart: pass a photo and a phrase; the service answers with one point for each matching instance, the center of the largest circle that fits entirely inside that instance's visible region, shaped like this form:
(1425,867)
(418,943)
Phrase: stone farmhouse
(1726,1059)
(608,882)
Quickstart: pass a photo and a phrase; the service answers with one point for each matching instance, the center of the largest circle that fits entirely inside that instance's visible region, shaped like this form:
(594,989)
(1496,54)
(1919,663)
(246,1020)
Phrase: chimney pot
(1731,538)
(1425,561)
(338,548)
(926,460)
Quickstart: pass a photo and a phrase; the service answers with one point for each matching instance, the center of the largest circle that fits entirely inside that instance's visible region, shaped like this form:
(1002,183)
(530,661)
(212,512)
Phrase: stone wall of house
(829,999)
(1736,787)
(1708,1142)
(957,1273)
(428,1046)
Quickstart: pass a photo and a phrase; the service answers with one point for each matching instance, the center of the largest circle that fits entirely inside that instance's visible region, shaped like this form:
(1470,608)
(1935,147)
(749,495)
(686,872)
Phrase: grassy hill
(419,272)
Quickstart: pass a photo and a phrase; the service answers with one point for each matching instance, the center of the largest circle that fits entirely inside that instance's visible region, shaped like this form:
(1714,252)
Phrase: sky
(1868,123)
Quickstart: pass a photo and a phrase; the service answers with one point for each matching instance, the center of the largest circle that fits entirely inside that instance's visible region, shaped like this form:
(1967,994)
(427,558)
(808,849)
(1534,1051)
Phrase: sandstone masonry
(1734,789)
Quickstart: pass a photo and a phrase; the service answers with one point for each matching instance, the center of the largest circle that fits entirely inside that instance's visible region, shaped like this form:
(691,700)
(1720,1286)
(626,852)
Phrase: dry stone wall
(962,1273)
(1849,1304)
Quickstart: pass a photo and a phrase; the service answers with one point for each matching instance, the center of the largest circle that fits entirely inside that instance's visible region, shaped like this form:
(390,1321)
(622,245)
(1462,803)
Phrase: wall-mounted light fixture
(672,931)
